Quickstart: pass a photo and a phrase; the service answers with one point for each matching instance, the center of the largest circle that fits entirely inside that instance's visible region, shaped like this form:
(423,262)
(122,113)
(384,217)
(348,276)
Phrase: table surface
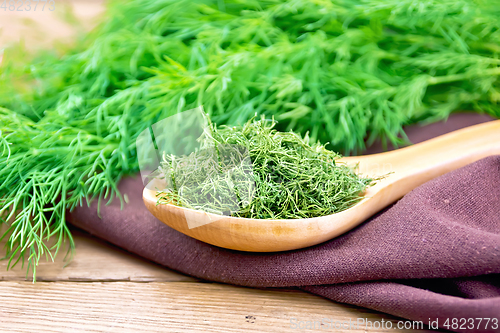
(107,289)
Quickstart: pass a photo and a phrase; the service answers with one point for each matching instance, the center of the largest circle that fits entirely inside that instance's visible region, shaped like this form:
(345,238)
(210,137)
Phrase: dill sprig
(288,178)
(48,168)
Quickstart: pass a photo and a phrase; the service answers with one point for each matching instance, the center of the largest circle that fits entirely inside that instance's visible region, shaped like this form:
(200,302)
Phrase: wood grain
(167,307)
(39,29)
(94,260)
(106,289)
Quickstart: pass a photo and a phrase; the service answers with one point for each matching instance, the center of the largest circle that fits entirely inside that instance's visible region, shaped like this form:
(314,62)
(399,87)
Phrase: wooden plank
(167,307)
(40,28)
(95,260)
(25,306)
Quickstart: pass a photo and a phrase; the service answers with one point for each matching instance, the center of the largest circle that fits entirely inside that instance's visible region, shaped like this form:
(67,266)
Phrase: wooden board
(40,28)
(94,260)
(167,307)
(107,289)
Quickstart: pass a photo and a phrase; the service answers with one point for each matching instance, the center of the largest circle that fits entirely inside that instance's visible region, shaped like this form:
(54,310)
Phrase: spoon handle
(412,166)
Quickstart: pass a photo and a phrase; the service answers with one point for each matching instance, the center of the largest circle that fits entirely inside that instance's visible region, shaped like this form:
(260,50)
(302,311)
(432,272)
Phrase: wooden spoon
(407,168)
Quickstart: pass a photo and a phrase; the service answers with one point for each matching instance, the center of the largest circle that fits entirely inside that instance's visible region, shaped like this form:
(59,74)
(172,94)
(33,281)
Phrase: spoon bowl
(404,169)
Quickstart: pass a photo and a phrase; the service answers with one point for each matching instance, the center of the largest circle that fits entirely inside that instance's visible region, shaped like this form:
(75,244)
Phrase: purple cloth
(433,255)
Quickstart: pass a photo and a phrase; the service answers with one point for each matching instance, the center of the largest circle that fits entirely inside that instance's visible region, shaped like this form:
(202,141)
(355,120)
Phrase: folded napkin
(432,256)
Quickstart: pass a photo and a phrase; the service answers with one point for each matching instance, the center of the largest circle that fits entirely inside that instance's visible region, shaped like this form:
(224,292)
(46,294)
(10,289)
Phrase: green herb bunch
(276,175)
(348,72)
(48,167)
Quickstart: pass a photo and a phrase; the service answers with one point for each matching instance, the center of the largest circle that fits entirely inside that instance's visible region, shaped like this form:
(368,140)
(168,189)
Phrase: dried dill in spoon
(255,171)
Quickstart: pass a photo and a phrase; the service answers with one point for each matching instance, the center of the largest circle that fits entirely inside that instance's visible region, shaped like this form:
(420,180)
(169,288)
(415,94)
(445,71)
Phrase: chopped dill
(288,177)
